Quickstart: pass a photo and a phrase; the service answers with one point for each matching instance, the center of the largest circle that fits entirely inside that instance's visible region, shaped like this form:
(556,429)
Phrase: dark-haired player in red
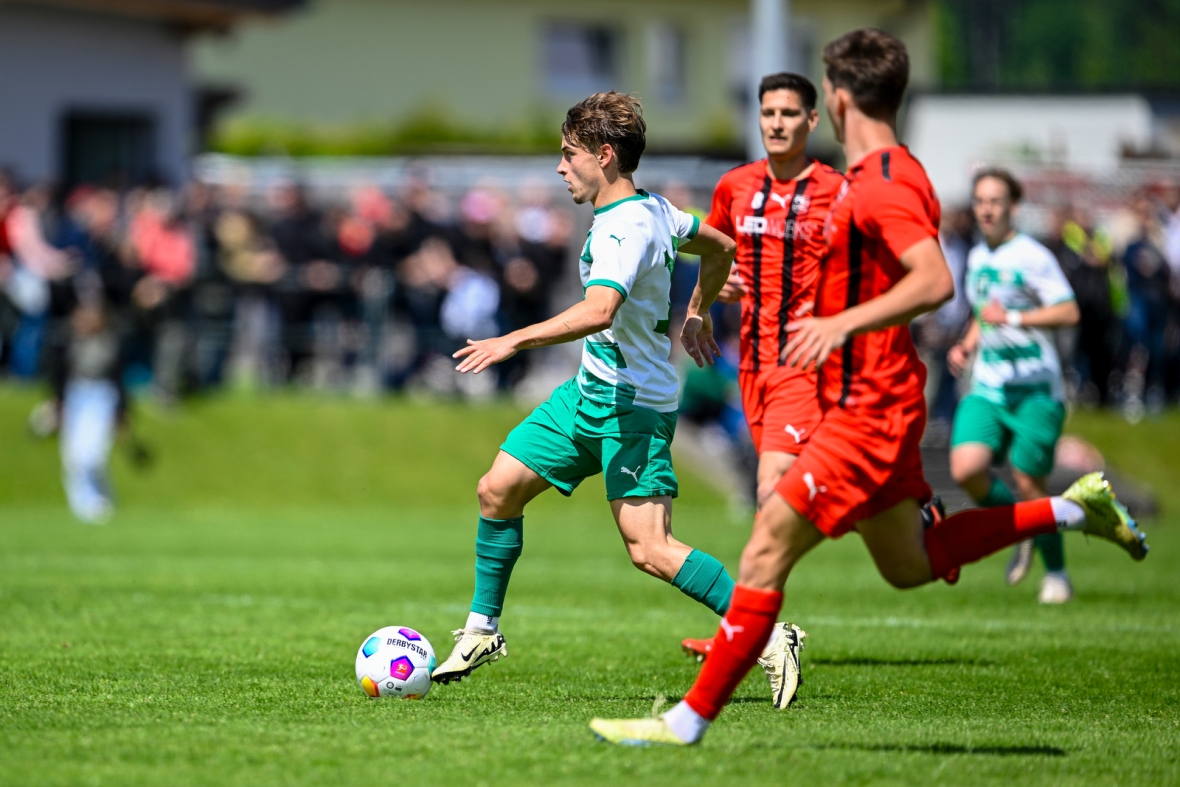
(776,208)
(862,469)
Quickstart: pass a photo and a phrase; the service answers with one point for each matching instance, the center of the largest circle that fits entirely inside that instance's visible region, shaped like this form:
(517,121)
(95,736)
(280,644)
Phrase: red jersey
(886,207)
(778,226)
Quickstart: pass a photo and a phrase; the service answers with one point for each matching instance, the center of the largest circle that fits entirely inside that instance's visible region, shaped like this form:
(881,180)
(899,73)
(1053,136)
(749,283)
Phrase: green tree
(1059,44)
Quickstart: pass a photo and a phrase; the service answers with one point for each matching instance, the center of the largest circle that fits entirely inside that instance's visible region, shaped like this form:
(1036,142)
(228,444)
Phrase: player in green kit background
(618,416)
(1015,407)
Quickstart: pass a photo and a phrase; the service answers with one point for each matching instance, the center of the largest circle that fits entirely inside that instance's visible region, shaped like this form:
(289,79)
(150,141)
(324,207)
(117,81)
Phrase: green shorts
(1025,430)
(570,438)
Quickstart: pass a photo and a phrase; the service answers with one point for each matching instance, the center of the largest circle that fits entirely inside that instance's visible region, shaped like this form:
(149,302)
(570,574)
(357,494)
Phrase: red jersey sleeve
(719,215)
(897,213)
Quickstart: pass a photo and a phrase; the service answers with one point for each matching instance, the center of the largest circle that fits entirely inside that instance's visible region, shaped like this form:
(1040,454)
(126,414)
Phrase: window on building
(580,58)
(112,149)
(666,62)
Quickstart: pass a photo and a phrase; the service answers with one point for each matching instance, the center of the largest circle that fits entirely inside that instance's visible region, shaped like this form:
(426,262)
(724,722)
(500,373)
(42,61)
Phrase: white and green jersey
(1022,275)
(632,247)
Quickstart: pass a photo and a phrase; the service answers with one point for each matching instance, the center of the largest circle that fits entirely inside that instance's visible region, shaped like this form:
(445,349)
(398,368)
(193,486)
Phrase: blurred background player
(863,468)
(618,416)
(775,209)
(1015,408)
(91,407)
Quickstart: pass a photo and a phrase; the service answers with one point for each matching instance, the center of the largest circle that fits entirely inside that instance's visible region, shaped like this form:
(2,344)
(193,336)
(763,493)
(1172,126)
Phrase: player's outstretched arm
(595,313)
(927,285)
(1059,315)
(716,250)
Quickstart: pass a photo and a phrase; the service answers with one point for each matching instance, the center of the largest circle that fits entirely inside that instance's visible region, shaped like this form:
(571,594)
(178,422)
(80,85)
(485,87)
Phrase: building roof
(189,13)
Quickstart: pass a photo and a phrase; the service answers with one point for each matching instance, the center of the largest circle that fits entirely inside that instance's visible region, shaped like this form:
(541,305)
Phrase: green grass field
(207,635)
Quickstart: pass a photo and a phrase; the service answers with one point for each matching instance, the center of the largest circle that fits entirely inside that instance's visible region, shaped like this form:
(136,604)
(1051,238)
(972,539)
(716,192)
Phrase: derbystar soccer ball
(395,662)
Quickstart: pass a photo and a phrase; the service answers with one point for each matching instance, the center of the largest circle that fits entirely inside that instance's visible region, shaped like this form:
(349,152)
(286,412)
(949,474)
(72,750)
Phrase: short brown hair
(873,66)
(1015,189)
(614,119)
(796,83)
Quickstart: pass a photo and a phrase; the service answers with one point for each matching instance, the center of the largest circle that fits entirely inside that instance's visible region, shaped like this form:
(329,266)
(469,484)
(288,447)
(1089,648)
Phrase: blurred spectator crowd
(206,286)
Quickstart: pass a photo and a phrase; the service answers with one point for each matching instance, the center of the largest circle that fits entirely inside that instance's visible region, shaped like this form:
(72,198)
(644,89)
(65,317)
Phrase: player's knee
(904,577)
(641,558)
(492,496)
(965,472)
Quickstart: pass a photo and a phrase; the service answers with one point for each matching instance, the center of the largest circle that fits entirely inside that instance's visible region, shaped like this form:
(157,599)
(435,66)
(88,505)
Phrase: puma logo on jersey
(617,239)
(781,199)
(633,473)
(730,629)
(796,433)
(812,489)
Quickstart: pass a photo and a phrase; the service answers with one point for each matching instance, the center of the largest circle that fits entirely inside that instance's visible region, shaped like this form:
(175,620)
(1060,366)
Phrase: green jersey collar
(640,195)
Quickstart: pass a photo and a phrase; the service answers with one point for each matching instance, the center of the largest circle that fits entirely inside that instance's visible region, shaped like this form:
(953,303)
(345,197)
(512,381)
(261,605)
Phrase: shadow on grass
(948,748)
(876,662)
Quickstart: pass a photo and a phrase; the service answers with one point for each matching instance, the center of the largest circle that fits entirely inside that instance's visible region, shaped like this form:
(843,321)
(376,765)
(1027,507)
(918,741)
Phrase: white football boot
(473,648)
(780,662)
(1055,589)
(1020,563)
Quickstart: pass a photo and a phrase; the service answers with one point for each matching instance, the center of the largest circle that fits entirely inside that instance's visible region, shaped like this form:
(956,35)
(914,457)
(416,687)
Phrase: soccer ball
(395,662)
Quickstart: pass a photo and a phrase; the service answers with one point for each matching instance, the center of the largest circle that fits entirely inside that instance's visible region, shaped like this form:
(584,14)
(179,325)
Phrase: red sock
(973,535)
(738,644)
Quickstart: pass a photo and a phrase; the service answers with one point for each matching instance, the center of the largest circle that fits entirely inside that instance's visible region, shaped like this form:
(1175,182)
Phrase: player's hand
(697,338)
(734,288)
(480,354)
(993,314)
(813,341)
(956,359)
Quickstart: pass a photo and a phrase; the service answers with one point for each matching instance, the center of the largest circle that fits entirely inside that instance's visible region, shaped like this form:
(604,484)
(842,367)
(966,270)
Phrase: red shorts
(858,465)
(782,408)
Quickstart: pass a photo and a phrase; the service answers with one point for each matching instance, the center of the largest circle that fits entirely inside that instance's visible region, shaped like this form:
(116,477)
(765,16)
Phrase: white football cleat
(780,662)
(473,648)
(1055,589)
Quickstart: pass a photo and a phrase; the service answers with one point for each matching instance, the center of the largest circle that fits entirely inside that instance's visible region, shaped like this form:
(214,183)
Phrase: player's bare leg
(508,487)
(503,492)
(772,466)
(645,523)
(896,541)
(780,657)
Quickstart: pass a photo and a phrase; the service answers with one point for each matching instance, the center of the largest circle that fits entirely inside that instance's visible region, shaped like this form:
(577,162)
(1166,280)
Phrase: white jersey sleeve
(687,225)
(1047,279)
(617,251)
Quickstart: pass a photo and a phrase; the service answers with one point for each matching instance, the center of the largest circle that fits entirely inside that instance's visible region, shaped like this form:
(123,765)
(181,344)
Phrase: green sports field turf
(207,635)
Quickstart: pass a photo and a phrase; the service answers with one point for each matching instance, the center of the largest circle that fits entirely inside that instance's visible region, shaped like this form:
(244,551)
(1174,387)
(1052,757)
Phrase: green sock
(1052,549)
(703,578)
(498,543)
(998,494)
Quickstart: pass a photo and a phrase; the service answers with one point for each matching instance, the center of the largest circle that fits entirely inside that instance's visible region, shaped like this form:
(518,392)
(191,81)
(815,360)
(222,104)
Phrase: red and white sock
(968,536)
(740,639)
